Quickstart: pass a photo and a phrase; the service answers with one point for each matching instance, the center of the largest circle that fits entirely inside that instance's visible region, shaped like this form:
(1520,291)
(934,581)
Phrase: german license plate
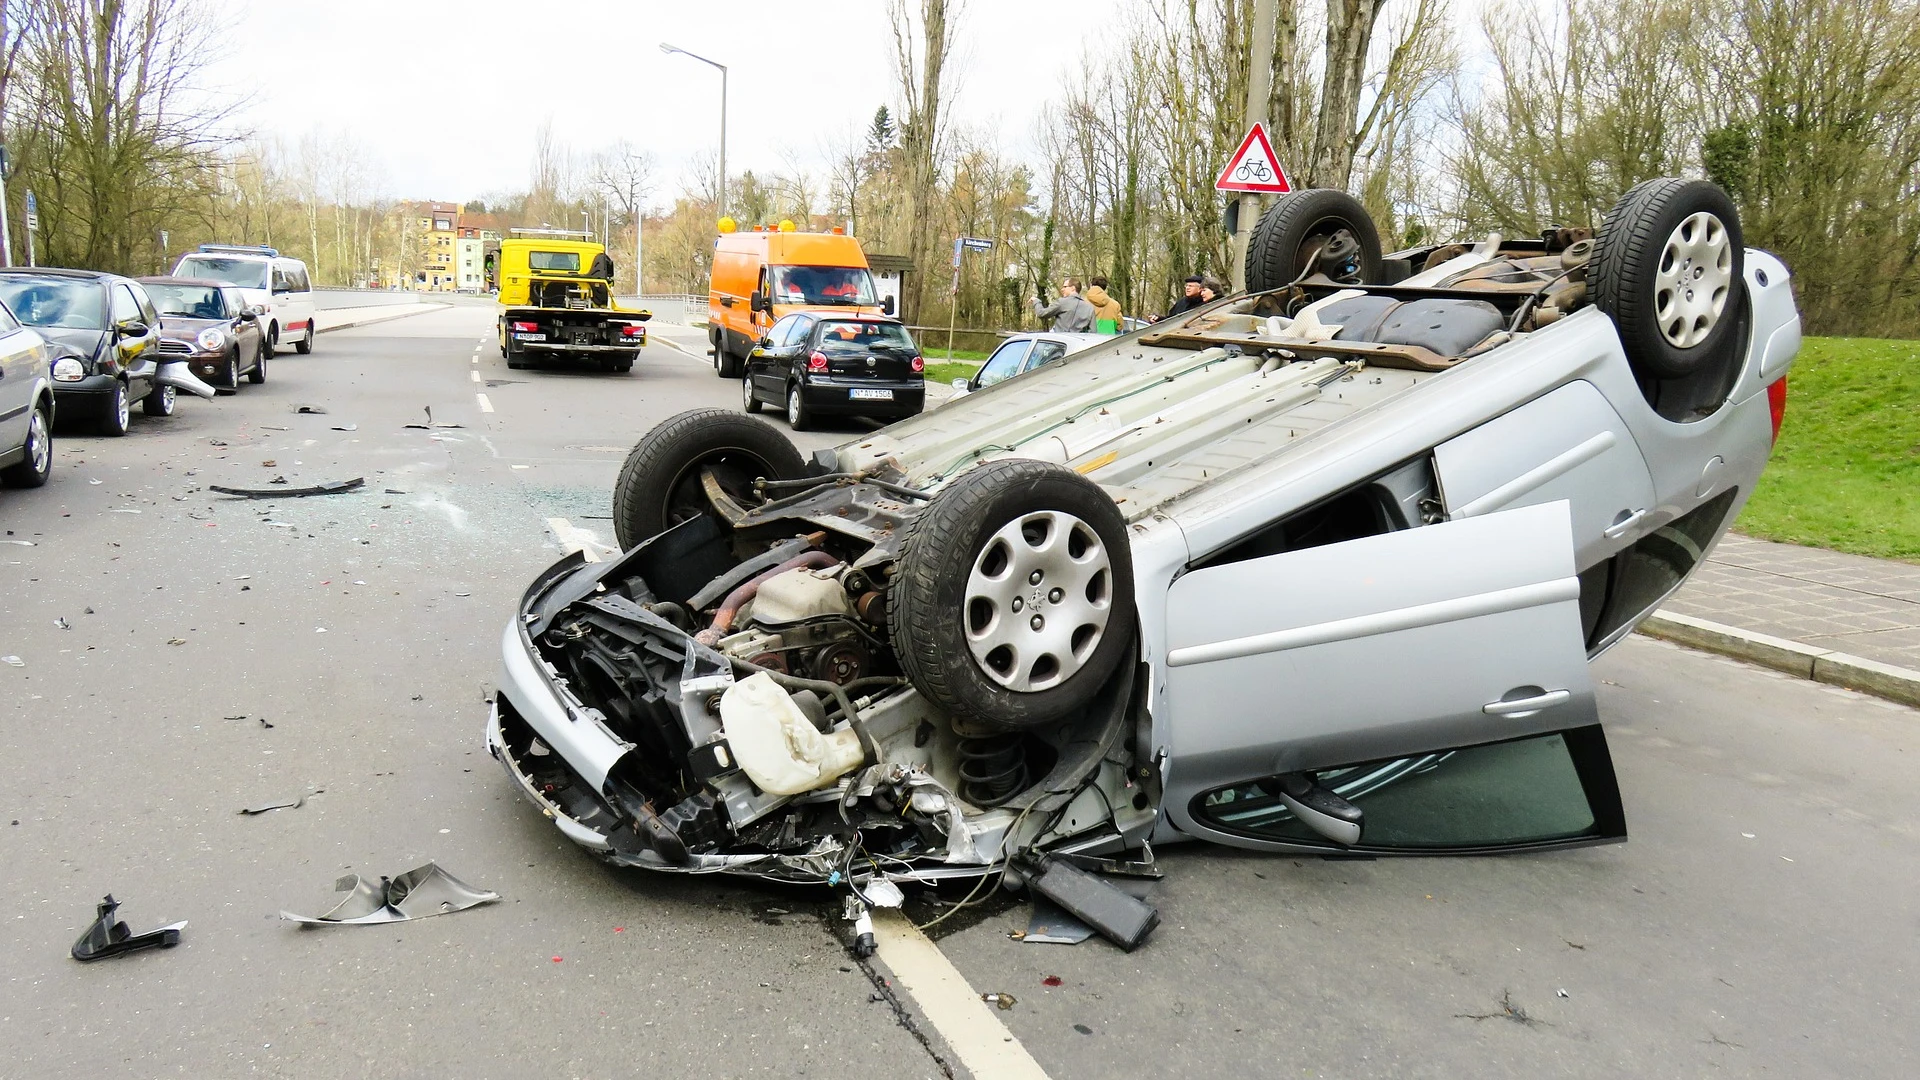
(870,395)
(529,337)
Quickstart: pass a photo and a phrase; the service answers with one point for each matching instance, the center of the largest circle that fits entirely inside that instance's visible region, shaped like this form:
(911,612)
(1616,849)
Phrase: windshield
(75,305)
(246,273)
(193,301)
(567,261)
(848,338)
(823,285)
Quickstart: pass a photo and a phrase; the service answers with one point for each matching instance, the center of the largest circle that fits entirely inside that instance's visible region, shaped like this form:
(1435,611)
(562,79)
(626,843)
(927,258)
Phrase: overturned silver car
(1318,568)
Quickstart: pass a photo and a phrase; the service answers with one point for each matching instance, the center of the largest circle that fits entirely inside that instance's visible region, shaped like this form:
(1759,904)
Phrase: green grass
(1846,471)
(946,372)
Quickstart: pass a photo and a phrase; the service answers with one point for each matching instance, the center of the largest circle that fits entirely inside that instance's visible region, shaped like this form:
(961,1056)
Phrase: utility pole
(6,236)
(1259,88)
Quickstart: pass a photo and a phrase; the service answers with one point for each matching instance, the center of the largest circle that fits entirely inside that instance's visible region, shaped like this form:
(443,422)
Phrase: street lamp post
(670,50)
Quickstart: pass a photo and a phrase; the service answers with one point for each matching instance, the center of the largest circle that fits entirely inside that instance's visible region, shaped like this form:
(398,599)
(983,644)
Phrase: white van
(277,285)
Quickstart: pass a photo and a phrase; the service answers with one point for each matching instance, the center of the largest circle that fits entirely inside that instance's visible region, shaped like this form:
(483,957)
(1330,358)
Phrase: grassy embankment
(1846,472)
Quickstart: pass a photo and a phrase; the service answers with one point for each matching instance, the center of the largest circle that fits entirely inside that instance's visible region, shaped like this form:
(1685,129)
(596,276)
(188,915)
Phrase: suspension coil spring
(993,769)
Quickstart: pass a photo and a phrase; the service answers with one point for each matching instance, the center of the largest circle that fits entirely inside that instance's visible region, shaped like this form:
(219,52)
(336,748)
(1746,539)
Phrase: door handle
(1619,528)
(1527,706)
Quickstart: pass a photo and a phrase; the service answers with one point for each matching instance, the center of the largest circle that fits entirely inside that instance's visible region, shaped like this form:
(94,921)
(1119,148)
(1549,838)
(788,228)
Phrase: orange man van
(763,275)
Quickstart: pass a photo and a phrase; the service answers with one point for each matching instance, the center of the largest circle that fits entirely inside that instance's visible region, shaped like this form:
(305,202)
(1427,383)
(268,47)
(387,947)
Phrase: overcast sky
(446,95)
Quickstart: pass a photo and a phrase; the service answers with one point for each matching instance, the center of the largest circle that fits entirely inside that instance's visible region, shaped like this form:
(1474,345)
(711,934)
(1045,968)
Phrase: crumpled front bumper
(587,747)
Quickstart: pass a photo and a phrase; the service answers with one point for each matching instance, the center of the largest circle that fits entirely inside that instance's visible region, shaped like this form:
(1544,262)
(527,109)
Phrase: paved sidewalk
(1846,603)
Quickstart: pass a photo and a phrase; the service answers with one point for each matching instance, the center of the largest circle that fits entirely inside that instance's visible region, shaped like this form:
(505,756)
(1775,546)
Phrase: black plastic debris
(346,427)
(1116,916)
(335,488)
(429,425)
(108,936)
(419,893)
(314,409)
(294,804)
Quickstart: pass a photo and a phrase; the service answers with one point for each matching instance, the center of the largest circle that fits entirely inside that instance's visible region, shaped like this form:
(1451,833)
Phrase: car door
(246,331)
(1004,364)
(1569,444)
(767,364)
(130,311)
(299,300)
(20,360)
(1427,671)
(1044,352)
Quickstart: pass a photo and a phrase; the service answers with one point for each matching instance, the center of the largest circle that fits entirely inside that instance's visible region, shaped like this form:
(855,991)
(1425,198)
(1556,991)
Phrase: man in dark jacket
(1189,299)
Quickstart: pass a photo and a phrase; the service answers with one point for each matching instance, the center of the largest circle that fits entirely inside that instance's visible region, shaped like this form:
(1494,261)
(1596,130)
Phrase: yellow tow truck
(556,302)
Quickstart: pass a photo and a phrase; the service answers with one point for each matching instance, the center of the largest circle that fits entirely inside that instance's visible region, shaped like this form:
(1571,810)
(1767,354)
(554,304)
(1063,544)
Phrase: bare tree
(922,44)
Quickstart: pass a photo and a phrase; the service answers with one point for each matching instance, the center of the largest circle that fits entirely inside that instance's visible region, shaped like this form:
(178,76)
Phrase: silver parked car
(1021,353)
(1317,568)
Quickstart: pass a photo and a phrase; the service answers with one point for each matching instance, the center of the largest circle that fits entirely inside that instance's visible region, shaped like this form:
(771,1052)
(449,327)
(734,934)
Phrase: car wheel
(231,380)
(33,470)
(159,401)
(799,417)
(259,373)
(1012,600)
(1667,266)
(660,483)
(270,340)
(731,366)
(747,400)
(1318,230)
(119,412)
(305,345)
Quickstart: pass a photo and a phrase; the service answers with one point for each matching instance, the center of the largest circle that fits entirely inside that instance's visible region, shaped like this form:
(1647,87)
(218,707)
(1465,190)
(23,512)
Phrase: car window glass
(840,337)
(233,301)
(246,273)
(192,301)
(782,331)
(798,333)
(848,286)
(7,323)
(61,302)
(1044,353)
(1004,363)
(298,279)
(125,307)
(147,313)
(563,261)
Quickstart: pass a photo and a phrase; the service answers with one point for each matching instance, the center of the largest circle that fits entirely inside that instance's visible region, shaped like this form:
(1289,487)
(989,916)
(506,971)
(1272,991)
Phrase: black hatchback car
(103,334)
(818,363)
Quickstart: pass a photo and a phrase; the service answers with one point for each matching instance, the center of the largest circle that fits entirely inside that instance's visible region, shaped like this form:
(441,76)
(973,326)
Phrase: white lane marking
(474,373)
(573,538)
(984,1044)
(485,405)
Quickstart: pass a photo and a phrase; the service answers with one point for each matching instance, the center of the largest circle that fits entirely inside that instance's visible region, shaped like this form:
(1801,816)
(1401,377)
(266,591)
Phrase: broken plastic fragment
(108,936)
(335,488)
(419,893)
(295,804)
(1002,1001)
(883,893)
(12,661)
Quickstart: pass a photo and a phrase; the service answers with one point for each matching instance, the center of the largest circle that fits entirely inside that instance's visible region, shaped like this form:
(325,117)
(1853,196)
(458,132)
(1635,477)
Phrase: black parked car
(817,364)
(103,335)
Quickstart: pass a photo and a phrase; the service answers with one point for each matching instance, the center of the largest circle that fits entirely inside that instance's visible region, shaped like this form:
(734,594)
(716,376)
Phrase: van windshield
(246,273)
(823,286)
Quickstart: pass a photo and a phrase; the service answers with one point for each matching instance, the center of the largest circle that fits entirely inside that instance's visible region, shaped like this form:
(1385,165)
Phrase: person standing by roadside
(1189,299)
(1209,292)
(1071,314)
(1107,318)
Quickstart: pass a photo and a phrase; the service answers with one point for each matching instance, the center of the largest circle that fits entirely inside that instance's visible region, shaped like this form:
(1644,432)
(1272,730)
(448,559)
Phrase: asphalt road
(1762,920)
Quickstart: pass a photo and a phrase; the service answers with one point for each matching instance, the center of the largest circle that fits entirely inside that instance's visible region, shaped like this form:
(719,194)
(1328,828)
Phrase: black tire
(258,374)
(659,484)
(799,417)
(1654,234)
(114,421)
(1300,223)
(32,471)
(726,364)
(934,622)
(305,345)
(231,380)
(270,340)
(747,401)
(621,367)
(159,401)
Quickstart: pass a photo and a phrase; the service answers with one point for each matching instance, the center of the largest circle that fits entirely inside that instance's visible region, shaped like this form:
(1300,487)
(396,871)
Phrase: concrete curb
(1793,657)
(412,309)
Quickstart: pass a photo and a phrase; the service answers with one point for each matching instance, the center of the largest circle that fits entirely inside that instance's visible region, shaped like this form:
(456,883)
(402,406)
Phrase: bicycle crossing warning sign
(1254,167)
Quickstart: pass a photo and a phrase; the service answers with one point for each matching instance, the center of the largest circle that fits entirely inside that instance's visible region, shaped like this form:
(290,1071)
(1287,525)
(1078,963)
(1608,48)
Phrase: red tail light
(633,331)
(526,328)
(817,362)
(1777,404)
(919,364)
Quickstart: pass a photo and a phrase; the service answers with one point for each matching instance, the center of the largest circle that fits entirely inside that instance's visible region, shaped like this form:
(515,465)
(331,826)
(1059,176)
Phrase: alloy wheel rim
(793,406)
(746,391)
(167,396)
(122,408)
(40,451)
(1693,280)
(1037,600)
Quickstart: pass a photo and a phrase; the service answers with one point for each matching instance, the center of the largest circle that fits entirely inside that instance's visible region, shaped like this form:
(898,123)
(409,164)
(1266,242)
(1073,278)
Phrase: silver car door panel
(1568,445)
(1420,640)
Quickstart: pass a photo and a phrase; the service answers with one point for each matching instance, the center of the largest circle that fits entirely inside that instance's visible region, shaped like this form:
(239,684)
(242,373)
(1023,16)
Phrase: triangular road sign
(1254,167)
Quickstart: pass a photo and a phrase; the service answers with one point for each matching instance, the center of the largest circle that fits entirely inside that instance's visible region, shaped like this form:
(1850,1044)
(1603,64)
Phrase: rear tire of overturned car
(1307,229)
(660,482)
(1012,600)
(1667,268)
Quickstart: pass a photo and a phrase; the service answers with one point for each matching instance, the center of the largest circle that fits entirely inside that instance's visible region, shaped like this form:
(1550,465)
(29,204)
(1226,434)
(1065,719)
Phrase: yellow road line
(984,1044)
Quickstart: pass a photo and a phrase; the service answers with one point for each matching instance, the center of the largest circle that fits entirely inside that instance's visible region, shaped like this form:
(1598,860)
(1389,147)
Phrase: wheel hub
(1693,281)
(1037,600)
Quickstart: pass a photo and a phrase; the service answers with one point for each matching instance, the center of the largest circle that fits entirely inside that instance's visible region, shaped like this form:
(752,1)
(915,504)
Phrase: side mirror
(131,328)
(763,343)
(248,314)
(963,384)
(758,302)
(886,305)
